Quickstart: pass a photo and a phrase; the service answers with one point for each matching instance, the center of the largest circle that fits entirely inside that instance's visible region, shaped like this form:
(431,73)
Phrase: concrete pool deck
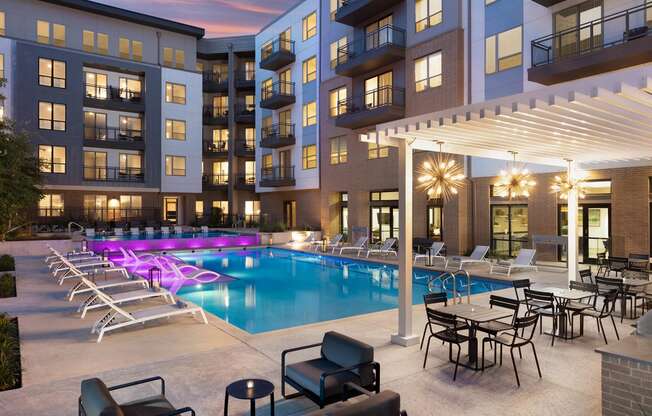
(198,361)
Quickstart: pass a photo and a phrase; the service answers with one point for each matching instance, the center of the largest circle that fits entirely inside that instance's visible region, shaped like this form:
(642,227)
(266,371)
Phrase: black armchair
(96,400)
(342,360)
(385,403)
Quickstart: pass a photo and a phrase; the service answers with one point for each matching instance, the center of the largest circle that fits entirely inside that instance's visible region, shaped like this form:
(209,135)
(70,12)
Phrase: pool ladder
(445,277)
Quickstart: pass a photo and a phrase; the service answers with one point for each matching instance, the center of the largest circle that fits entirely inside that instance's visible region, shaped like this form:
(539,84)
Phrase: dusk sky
(217,17)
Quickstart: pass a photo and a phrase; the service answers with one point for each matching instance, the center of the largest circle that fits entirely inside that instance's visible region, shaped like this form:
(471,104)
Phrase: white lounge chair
(194,273)
(165,230)
(118,318)
(96,301)
(130,258)
(334,242)
(476,257)
(134,231)
(149,230)
(118,232)
(57,258)
(384,249)
(178,229)
(358,246)
(90,232)
(435,248)
(523,261)
(67,270)
(114,278)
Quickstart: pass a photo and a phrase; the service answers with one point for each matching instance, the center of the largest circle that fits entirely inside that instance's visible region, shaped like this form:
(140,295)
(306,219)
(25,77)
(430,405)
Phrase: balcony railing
(221,179)
(113,134)
(244,148)
(215,114)
(220,146)
(278,45)
(277,135)
(245,78)
(371,100)
(113,174)
(93,215)
(606,32)
(363,47)
(217,77)
(98,92)
(246,181)
(277,88)
(356,12)
(277,176)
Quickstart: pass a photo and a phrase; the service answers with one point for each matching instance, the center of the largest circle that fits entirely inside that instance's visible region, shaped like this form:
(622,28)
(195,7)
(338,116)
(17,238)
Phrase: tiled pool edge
(170,244)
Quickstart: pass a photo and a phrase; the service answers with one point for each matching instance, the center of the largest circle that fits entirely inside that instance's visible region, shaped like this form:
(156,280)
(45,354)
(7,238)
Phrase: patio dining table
(563,296)
(474,315)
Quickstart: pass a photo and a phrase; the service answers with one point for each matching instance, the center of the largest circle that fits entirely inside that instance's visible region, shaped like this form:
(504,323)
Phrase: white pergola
(604,118)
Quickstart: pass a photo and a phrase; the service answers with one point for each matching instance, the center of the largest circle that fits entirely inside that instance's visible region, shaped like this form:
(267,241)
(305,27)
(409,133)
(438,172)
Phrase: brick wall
(626,387)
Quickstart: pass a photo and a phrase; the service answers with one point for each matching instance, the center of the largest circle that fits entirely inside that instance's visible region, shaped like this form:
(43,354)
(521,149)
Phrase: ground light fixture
(441,176)
(514,182)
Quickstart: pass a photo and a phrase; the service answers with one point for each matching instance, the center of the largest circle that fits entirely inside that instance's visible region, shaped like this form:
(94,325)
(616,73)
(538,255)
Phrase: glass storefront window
(509,229)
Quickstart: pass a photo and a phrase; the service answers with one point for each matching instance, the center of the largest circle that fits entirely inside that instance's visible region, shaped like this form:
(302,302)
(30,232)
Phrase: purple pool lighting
(100,246)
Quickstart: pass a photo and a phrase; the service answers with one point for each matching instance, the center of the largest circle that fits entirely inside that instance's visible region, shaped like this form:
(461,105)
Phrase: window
(250,137)
(252,211)
(384,196)
(52,159)
(427,72)
(267,161)
(250,172)
(220,173)
(250,103)
(50,205)
(180,58)
(434,222)
(51,116)
(96,85)
(123,48)
(509,229)
(285,40)
(339,52)
(199,209)
(334,5)
(95,207)
(130,164)
(175,165)
(310,26)
(338,103)
(95,126)
(51,73)
(220,140)
(88,41)
(102,43)
(428,13)
(199,66)
(167,56)
(309,156)
(131,206)
(222,206)
(136,50)
(374,151)
(175,130)
(220,106)
(309,70)
(310,114)
(378,90)
(130,89)
(504,50)
(131,127)
(58,35)
(596,188)
(175,93)
(2,24)
(95,166)
(339,151)
(2,65)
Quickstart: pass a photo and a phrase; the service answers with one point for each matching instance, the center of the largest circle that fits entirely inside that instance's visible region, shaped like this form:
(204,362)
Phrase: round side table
(249,389)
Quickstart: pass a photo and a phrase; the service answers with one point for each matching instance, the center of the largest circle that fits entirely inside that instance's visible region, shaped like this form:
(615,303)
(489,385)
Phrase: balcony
(245,182)
(374,107)
(375,50)
(215,182)
(547,3)
(245,113)
(355,12)
(279,94)
(216,149)
(216,115)
(245,79)
(277,135)
(113,98)
(277,176)
(114,137)
(113,174)
(276,54)
(215,81)
(616,41)
(245,148)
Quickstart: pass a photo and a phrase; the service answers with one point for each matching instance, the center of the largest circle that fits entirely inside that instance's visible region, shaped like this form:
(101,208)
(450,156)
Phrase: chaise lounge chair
(476,257)
(384,249)
(524,261)
(178,229)
(149,230)
(435,249)
(118,232)
(165,230)
(120,277)
(332,244)
(119,318)
(194,273)
(129,258)
(358,246)
(65,270)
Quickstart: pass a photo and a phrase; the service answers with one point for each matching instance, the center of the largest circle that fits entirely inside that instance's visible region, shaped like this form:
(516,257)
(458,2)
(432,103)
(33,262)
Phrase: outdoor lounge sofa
(96,400)
(385,403)
(342,360)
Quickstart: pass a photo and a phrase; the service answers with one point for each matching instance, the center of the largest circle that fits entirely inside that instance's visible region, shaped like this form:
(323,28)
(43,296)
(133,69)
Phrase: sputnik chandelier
(514,182)
(562,185)
(441,176)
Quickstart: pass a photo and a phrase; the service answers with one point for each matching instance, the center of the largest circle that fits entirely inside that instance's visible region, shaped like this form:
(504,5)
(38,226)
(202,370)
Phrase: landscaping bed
(7,285)
(10,367)
(7,263)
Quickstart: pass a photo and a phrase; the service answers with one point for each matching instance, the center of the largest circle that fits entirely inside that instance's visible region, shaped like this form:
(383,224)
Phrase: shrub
(277,227)
(7,286)
(10,373)
(7,263)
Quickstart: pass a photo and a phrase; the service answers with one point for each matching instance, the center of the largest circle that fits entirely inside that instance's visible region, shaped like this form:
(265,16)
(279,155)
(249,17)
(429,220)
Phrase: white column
(405,336)
(572,224)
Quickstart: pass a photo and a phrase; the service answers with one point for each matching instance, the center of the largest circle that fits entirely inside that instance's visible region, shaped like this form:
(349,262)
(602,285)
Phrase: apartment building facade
(287,118)
(229,132)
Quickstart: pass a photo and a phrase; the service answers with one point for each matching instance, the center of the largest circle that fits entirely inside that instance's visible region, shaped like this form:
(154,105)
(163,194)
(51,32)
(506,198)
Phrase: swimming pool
(278,288)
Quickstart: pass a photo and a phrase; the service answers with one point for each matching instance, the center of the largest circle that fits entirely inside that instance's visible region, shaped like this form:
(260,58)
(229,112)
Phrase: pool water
(159,236)
(278,288)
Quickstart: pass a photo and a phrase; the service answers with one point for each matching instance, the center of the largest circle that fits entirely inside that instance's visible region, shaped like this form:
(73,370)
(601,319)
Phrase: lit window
(339,52)
(310,26)
(51,73)
(103,43)
(96,85)
(220,173)
(180,58)
(51,116)
(88,41)
(52,159)
(131,164)
(199,66)
(131,127)
(123,48)
(42,31)
(309,70)
(376,152)
(130,89)
(167,56)
(175,93)
(428,13)
(309,156)
(334,5)
(175,165)
(199,209)
(137,50)
(175,130)
(338,103)
(339,151)
(2,24)
(220,141)
(267,161)
(58,34)
(222,206)
(252,210)
(95,166)
(310,114)
(427,72)
(50,205)
(504,50)
(250,172)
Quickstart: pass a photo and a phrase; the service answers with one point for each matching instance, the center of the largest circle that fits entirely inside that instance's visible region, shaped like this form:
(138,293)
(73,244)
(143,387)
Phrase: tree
(19,176)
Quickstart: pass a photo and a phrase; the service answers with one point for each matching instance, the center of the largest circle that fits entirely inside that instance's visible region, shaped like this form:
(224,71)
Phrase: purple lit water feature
(99,246)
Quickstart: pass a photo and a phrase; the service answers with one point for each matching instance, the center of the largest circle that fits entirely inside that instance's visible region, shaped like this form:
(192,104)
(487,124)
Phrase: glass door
(509,229)
(290,214)
(378,33)
(170,209)
(587,37)
(384,223)
(593,230)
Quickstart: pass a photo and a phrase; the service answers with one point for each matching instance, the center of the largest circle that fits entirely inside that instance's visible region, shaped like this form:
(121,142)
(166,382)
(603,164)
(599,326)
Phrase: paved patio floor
(198,361)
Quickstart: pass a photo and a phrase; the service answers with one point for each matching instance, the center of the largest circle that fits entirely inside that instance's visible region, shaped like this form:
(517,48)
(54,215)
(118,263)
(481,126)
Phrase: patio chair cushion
(96,399)
(307,374)
(150,406)
(346,352)
(385,403)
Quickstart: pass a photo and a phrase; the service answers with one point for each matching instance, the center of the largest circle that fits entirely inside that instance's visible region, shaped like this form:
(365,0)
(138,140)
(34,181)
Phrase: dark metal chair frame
(501,302)
(543,303)
(586,274)
(606,311)
(450,334)
(432,299)
(574,307)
